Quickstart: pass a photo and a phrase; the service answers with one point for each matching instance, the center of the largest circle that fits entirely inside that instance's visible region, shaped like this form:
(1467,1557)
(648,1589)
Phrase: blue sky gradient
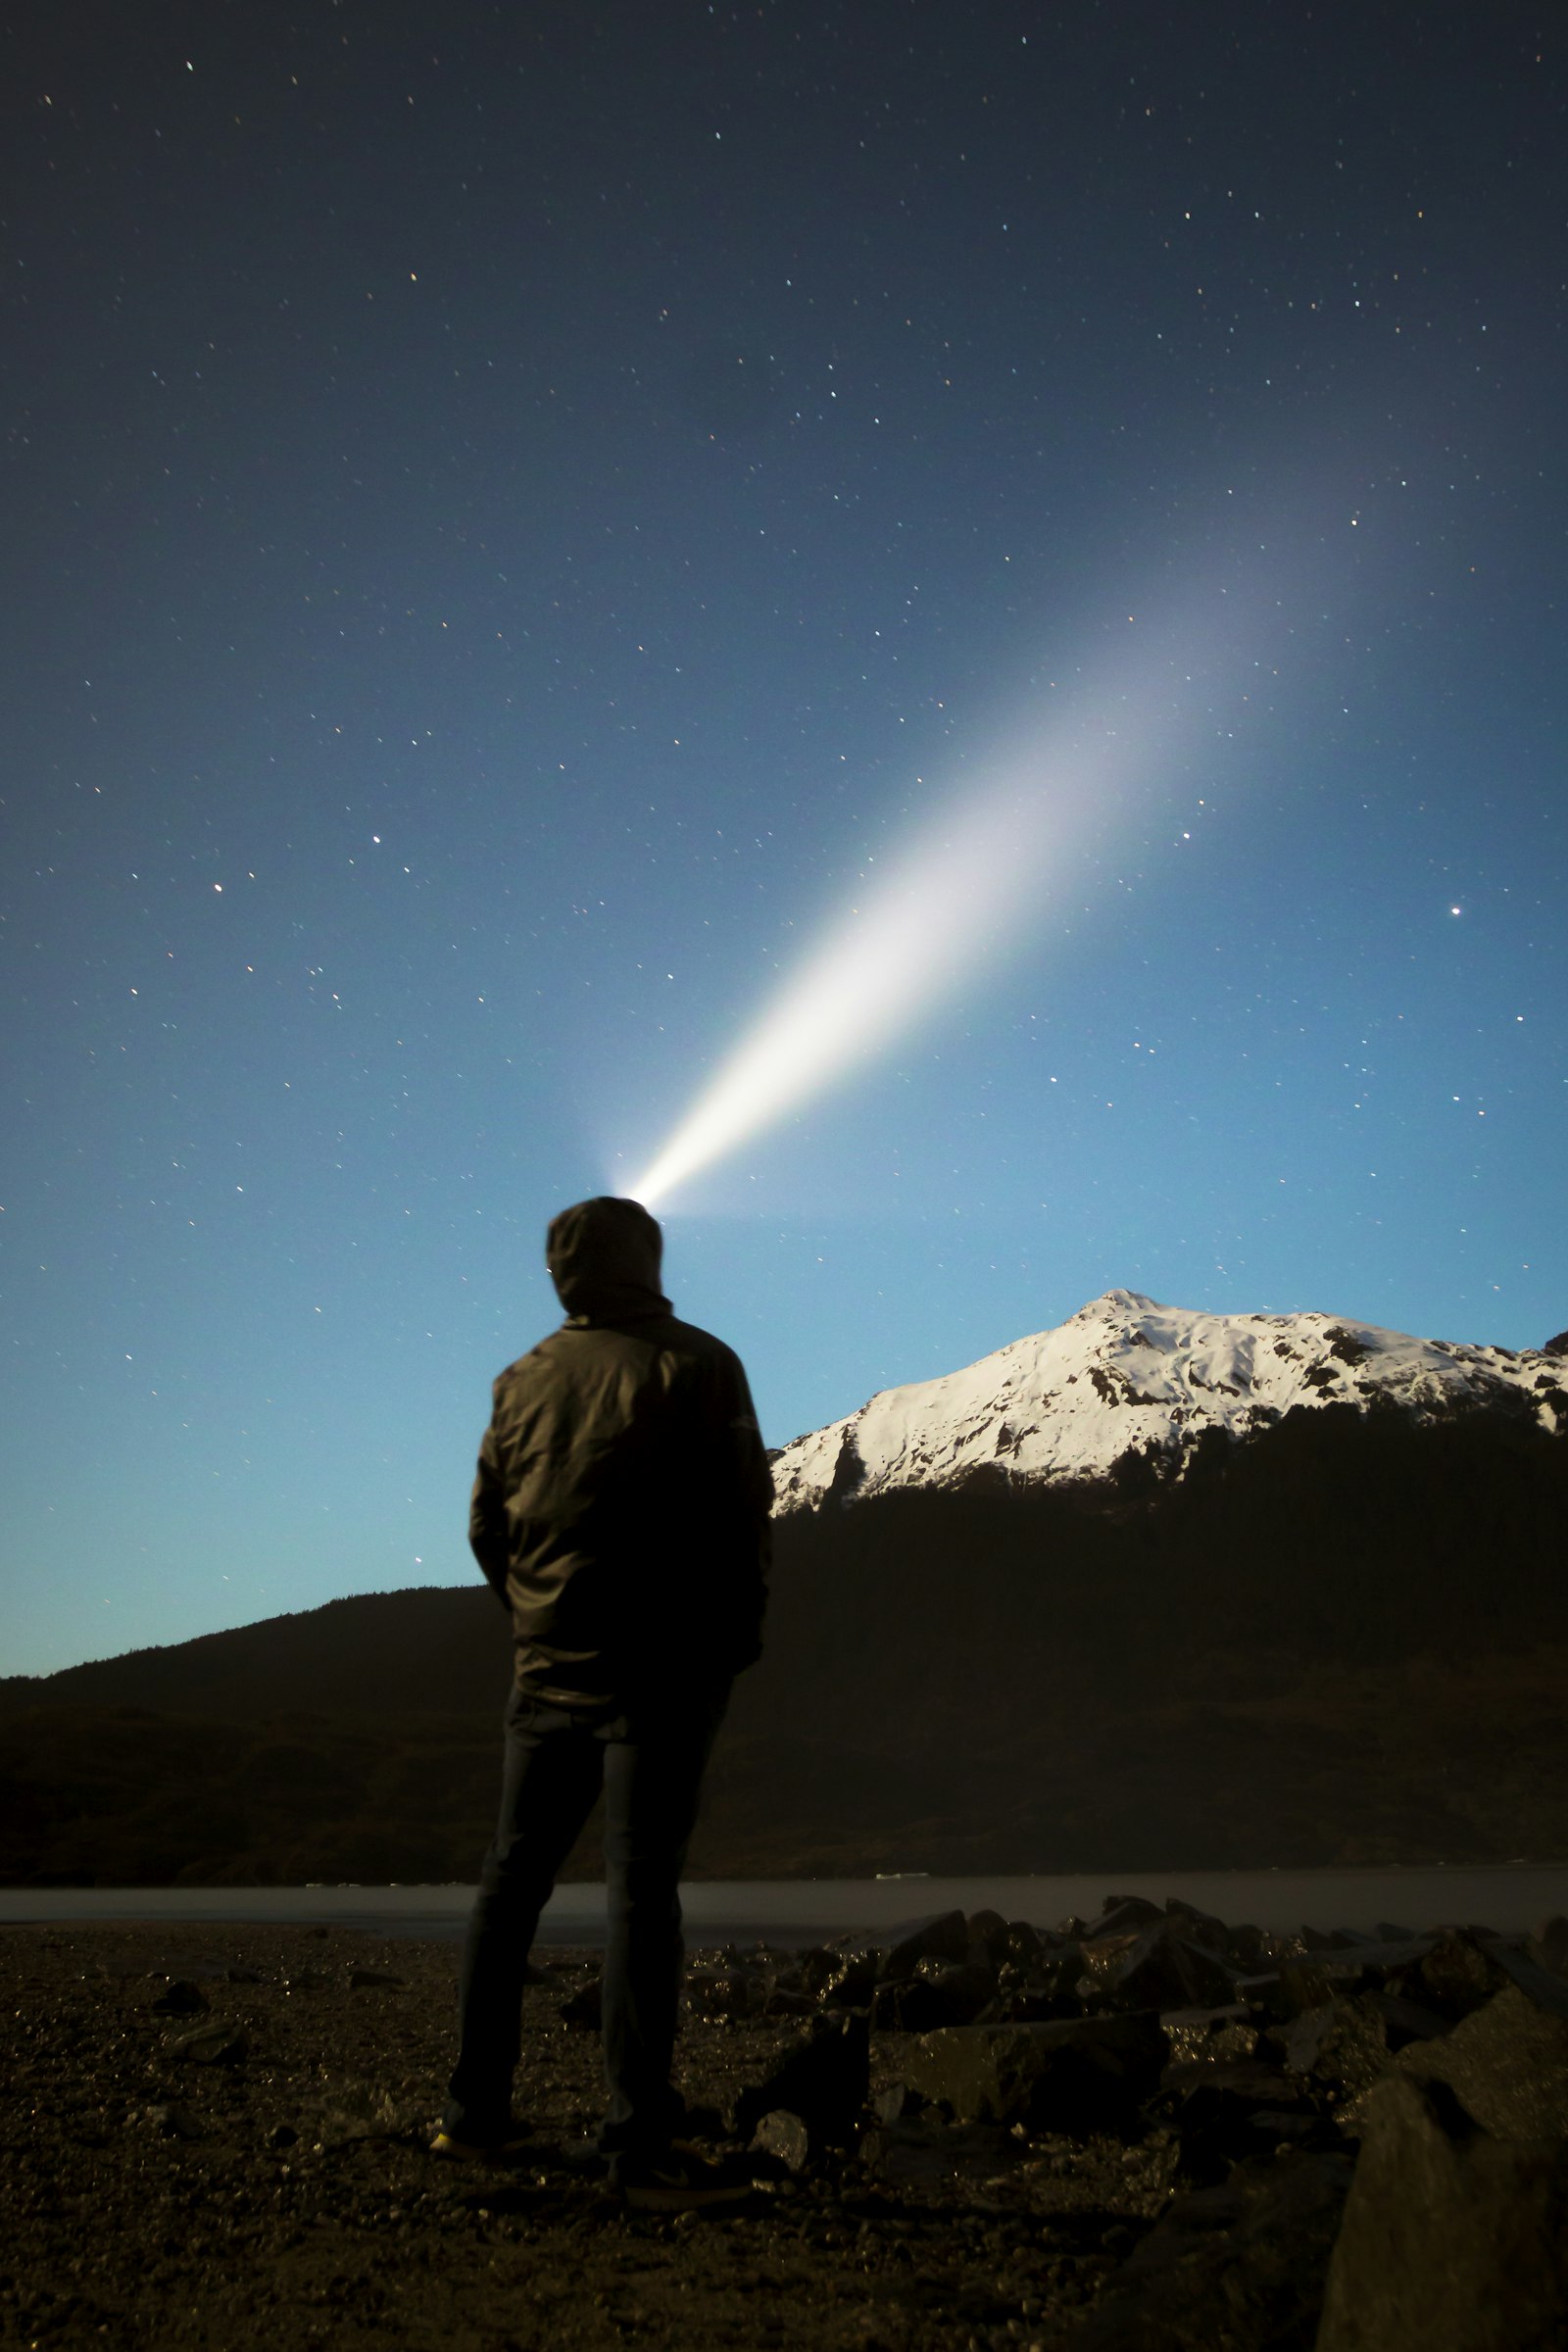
(514,517)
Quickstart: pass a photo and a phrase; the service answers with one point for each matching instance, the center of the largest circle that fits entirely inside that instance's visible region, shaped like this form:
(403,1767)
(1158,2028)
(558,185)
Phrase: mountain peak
(1126,1375)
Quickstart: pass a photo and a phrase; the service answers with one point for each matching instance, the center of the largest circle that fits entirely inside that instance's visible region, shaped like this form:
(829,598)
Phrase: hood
(604,1257)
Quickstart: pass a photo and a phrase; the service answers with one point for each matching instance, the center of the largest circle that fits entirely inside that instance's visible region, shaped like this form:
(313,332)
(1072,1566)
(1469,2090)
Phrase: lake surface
(1509,1897)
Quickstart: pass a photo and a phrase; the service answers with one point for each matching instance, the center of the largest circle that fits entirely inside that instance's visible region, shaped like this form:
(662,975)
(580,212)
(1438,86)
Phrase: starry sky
(512,512)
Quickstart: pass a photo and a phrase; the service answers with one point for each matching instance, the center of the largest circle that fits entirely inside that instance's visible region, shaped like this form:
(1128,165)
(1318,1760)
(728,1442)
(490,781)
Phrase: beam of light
(975,878)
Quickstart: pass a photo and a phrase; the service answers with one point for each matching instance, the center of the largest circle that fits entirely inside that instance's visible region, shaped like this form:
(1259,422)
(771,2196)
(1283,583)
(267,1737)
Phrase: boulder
(1072,2074)
(1210,2037)
(1248,1946)
(1118,1915)
(725,1994)
(1238,2265)
(841,1973)
(1231,2109)
(785,2138)
(988,1939)
(1344,2045)
(944,1935)
(1507,2065)
(824,2079)
(1456,1973)
(1026,1948)
(1454,2239)
(1405,2021)
(941,1992)
(1199,1927)
(895,2102)
(583,2008)
(1307,1981)
(216,2044)
(180,1999)
(1154,1968)
(1549,1945)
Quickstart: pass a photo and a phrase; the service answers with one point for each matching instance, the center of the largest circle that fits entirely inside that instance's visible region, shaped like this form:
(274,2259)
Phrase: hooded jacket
(622,1496)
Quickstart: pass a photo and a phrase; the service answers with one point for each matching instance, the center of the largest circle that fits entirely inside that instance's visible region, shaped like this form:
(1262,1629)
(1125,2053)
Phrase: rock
(783,2002)
(1333,1940)
(1405,2021)
(174,2122)
(1154,1969)
(785,2138)
(1340,2048)
(583,2009)
(1548,1947)
(1209,2035)
(1199,1927)
(374,1979)
(824,2079)
(1507,2064)
(1323,1976)
(1046,1989)
(1075,2073)
(988,1939)
(1230,2110)
(896,2101)
(216,2044)
(1025,1948)
(180,1999)
(942,1993)
(715,1993)
(942,1936)
(1346,2044)
(1248,1946)
(1453,1975)
(1454,2239)
(1545,1986)
(927,2153)
(1240,2265)
(841,1980)
(1120,1915)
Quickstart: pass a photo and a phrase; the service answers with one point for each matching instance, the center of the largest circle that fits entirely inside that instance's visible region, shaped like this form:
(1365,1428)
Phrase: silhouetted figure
(622,1510)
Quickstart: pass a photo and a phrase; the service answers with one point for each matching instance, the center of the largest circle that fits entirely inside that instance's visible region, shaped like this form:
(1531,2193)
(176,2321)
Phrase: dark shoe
(678,2181)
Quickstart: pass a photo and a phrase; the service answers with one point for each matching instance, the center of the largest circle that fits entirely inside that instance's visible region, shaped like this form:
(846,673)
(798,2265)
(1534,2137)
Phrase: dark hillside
(1347,1640)
(433,1649)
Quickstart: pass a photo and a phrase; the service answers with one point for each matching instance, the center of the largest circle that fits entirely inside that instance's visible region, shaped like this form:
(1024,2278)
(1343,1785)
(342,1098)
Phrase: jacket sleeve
(752,1489)
(488,1539)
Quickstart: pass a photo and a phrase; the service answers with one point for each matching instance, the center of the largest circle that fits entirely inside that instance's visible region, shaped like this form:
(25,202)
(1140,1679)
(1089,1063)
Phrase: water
(1510,1897)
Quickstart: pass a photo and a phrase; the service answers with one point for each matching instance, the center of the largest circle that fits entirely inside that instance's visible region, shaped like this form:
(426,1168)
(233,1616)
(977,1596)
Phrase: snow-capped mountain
(1125,1374)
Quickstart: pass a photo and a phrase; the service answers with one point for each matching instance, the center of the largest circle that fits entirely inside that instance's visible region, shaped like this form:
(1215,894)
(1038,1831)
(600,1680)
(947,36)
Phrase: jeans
(649,1763)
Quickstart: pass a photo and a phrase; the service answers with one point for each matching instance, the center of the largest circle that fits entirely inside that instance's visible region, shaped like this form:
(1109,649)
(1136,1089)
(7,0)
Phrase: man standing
(621,1512)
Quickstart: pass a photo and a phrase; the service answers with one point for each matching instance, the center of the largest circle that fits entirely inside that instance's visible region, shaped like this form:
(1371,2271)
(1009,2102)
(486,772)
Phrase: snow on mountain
(1125,1373)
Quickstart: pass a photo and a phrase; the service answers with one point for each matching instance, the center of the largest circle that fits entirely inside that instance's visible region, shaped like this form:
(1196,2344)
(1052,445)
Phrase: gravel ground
(269,2182)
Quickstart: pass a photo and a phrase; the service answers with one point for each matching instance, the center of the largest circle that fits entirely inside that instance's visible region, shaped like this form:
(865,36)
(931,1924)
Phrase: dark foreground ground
(284,2197)
(217,2136)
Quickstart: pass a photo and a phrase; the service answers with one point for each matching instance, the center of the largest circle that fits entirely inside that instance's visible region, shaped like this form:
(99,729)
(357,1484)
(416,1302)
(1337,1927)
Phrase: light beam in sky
(981,871)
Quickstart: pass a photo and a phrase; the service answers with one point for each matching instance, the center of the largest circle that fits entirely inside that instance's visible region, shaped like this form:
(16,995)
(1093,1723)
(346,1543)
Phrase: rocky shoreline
(1141,2133)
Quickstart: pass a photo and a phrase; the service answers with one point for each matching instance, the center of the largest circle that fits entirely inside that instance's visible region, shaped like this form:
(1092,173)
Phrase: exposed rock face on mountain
(1209,1604)
(1126,1386)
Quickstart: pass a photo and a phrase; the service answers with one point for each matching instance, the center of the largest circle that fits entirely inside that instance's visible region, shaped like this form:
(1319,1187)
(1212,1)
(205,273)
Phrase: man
(622,1510)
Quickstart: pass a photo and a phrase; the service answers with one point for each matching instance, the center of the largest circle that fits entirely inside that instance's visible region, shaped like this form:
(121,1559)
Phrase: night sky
(513,515)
